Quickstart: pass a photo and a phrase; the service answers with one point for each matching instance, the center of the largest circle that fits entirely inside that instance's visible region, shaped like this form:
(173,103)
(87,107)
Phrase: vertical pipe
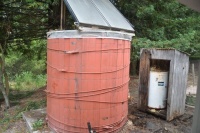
(196,117)
(193,74)
(89,127)
(61,15)
(64,16)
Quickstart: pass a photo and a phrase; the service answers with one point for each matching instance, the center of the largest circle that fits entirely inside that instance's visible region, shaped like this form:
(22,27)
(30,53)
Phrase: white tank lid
(90,33)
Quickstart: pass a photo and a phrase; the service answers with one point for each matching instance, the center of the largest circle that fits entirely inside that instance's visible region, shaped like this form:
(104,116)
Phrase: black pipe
(90,128)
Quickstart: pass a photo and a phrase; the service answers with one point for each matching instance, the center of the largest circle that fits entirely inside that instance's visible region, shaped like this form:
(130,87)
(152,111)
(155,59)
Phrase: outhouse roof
(167,49)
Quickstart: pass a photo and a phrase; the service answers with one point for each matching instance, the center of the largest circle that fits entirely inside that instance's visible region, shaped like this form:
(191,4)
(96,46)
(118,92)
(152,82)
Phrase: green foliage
(23,21)
(6,118)
(160,20)
(162,24)
(183,43)
(29,81)
(191,99)
(27,70)
(38,124)
(32,105)
(195,57)
(20,95)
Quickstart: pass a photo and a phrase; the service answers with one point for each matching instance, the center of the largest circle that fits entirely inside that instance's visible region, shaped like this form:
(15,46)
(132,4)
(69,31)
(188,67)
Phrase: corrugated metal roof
(100,13)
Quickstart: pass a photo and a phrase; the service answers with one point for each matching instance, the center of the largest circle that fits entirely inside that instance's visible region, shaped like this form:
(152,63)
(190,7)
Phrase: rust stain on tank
(94,84)
(54,85)
(76,93)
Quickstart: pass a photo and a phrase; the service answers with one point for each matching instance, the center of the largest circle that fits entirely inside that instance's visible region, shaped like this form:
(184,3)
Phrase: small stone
(175,124)
(132,117)
(129,96)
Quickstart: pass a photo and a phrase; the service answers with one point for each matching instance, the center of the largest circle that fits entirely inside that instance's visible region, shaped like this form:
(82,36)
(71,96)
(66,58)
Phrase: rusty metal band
(92,91)
(100,129)
(77,51)
(64,70)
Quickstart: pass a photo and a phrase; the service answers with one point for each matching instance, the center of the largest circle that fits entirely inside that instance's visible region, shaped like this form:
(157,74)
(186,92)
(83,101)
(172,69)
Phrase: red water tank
(87,80)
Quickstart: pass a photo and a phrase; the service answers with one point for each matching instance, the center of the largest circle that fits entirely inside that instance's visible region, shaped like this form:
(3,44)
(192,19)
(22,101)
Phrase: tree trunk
(3,73)
(3,90)
(6,80)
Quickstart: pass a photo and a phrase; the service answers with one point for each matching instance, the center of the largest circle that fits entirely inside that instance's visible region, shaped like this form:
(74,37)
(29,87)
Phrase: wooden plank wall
(196,117)
(178,96)
(144,79)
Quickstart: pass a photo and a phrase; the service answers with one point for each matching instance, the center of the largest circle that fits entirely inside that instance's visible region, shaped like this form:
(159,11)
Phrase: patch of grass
(20,95)
(31,105)
(191,99)
(6,118)
(27,81)
(38,124)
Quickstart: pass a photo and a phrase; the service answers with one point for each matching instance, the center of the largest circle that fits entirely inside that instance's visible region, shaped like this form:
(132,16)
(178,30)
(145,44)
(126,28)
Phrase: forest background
(24,23)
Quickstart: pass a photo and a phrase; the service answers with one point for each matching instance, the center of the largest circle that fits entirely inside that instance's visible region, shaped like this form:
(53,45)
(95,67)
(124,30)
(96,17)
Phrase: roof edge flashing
(82,26)
(90,33)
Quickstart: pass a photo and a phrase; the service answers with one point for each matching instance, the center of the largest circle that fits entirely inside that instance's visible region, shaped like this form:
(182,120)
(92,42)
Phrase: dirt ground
(147,123)
(141,122)
(11,120)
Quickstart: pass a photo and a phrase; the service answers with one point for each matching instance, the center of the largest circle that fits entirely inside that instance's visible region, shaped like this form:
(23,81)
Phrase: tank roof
(89,34)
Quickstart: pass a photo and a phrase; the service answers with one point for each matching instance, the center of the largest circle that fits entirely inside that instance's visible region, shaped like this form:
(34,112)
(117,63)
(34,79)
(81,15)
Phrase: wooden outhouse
(177,64)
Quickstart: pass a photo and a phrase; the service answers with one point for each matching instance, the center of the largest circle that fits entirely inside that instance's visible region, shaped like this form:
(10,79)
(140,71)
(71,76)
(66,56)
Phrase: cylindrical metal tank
(157,90)
(87,80)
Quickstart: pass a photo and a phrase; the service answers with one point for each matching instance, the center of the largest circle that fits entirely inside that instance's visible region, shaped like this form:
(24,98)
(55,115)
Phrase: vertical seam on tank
(109,56)
(123,53)
(100,76)
(80,49)
(117,63)
(58,105)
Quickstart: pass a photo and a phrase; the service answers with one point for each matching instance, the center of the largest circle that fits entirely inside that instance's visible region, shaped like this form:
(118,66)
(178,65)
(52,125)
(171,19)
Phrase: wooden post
(196,116)
(144,79)
(193,74)
(132,65)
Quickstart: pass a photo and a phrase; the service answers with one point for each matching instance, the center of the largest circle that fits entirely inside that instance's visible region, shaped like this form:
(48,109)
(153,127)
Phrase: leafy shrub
(28,81)
(31,58)
(38,124)
(185,43)
(32,105)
